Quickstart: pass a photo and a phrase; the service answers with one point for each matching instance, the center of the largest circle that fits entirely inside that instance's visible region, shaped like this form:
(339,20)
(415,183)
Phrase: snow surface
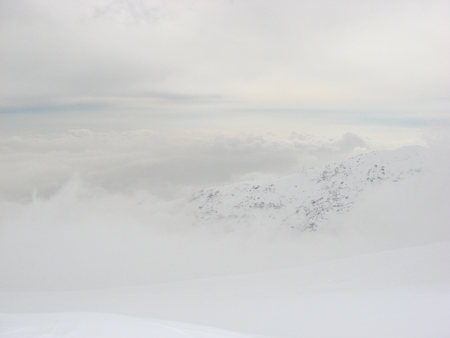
(97,325)
(396,293)
(367,242)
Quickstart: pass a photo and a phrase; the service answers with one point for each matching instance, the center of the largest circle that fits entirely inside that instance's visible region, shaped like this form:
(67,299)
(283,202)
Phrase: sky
(168,96)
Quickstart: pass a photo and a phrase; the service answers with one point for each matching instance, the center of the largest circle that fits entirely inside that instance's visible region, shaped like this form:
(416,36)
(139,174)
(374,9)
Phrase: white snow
(396,293)
(101,325)
(306,199)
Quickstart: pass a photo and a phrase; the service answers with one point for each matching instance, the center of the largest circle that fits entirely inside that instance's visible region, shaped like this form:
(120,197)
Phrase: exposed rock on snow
(306,199)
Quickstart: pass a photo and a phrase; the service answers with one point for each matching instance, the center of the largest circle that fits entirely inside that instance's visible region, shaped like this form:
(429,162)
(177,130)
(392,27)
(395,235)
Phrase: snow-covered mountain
(305,200)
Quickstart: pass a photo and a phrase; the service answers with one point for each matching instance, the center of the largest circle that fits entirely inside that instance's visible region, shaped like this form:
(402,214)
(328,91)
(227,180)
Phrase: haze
(113,112)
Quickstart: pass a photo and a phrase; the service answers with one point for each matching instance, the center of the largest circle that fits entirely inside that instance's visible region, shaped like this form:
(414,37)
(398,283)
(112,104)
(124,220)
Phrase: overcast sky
(215,84)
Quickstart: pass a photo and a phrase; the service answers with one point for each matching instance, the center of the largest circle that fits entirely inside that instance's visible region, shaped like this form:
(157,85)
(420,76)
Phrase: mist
(123,124)
(167,165)
(85,236)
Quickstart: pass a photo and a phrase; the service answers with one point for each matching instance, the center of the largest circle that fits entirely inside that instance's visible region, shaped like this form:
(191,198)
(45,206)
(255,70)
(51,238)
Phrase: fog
(113,113)
(167,165)
(84,235)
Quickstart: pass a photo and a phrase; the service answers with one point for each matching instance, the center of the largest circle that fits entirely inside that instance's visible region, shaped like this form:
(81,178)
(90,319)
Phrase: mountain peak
(304,200)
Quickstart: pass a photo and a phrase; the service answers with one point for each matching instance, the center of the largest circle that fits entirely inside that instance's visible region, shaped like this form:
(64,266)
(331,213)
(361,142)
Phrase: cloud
(85,237)
(286,54)
(160,163)
(138,11)
(350,141)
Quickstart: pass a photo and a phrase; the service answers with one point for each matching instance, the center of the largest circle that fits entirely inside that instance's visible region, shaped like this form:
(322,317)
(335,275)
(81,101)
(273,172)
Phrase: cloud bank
(165,165)
(253,54)
(87,236)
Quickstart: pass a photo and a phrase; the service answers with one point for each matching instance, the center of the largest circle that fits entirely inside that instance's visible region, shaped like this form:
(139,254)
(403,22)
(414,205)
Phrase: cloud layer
(284,54)
(85,237)
(161,164)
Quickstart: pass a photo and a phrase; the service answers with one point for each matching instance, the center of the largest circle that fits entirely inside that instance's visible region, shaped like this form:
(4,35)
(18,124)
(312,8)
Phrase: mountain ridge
(304,200)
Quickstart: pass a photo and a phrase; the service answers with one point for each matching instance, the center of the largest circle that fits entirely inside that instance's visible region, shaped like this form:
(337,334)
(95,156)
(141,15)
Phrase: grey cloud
(162,164)
(85,238)
(135,11)
(350,141)
(292,54)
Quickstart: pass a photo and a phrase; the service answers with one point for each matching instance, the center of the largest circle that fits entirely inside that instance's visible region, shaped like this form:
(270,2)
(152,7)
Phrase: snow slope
(304,200)
(99,325)
(396,293)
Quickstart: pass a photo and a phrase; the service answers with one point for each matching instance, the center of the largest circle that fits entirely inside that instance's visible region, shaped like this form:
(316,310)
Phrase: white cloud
(162,164)
(287,54)
(83,237)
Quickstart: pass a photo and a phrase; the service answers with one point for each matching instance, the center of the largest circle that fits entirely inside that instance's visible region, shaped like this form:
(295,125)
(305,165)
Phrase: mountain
(304,200)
